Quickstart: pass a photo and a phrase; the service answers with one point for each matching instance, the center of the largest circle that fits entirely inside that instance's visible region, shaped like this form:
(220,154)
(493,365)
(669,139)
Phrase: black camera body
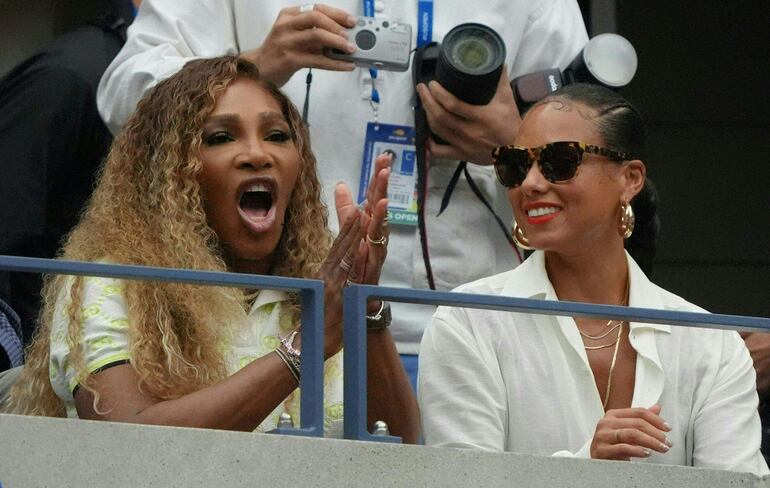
(468,64)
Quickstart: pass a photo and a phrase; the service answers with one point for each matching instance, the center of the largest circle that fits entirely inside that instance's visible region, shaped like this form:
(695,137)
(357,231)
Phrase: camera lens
(470,63)
(473,55)
(366,40)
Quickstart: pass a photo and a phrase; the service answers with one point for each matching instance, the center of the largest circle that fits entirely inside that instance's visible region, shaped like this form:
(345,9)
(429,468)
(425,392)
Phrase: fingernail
(352,20)
(647,453)
(665,424)
(668,442)
(664,447)
(351,48)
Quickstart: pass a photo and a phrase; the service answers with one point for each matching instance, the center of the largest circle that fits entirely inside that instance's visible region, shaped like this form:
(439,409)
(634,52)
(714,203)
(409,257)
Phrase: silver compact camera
(379,43)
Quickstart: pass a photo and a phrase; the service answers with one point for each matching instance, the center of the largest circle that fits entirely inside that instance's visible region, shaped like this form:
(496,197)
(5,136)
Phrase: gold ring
(377,242)
(617,440)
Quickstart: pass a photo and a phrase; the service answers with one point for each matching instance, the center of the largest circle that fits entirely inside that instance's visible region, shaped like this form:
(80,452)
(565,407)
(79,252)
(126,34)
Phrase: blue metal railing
(311,301)
(354,333)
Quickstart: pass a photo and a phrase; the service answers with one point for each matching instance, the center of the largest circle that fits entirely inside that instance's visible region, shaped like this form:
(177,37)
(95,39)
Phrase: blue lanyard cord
(424,22)
(424,37)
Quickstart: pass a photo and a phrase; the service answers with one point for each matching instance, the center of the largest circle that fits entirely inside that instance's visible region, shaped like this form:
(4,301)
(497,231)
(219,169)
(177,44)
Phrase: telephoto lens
(470,62)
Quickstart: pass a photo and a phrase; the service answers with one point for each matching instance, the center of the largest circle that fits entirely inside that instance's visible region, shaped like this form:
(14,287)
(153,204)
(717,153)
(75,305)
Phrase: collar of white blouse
(531,280)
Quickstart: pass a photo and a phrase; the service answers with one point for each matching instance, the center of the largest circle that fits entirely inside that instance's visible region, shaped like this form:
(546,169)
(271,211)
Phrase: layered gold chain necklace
(607,330)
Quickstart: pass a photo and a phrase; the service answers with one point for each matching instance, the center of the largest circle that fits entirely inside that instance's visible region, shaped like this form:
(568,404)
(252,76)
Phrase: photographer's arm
(297,39)
(166,35)
(472,131)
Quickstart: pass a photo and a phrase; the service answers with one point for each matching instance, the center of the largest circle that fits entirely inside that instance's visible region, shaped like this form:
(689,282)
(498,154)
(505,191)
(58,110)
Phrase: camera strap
(462,169)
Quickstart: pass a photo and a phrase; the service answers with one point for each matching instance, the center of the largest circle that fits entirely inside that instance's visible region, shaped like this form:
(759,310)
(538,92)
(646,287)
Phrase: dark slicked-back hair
(622,128)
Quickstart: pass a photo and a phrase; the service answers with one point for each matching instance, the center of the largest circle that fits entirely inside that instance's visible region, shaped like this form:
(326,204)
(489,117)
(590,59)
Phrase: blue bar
(354,333)
(354,367)
(311,294)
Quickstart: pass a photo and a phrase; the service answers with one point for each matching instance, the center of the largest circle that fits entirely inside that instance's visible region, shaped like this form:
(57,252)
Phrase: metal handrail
(354,333)
(311,301)
(354,327)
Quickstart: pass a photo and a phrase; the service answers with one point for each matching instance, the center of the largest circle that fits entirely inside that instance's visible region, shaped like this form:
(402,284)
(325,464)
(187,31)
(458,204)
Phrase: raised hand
(630,432)
(472,131)
(297,39)
(334,273)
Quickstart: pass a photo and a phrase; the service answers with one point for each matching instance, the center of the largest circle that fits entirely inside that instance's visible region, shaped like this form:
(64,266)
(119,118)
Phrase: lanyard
(424,19)
(424,37)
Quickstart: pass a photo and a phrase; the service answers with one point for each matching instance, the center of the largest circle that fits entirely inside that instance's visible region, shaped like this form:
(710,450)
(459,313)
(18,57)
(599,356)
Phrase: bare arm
(240,402)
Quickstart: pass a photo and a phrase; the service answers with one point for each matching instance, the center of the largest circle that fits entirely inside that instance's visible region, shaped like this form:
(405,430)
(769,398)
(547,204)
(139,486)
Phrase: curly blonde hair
(147,210)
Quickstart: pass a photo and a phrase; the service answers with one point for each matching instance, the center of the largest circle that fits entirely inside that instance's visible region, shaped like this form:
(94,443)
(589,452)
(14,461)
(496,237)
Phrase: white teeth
(540,211)
(257,187)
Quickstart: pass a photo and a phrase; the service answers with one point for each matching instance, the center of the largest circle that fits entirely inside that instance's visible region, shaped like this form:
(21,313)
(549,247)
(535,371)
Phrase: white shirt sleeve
(727,430)
(461,391)
(103,337)
(164,36)
(553,36)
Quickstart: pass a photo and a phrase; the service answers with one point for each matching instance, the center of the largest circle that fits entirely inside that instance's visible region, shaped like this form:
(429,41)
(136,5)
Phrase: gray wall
(91,453)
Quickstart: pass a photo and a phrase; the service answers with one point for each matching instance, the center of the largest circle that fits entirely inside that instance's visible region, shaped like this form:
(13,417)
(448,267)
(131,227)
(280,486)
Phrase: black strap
(480,196)
(421,135)
(306,105)
(451,186)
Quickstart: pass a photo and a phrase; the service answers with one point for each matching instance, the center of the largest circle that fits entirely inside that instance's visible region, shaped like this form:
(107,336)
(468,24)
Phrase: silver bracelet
(294,372)
(293,355)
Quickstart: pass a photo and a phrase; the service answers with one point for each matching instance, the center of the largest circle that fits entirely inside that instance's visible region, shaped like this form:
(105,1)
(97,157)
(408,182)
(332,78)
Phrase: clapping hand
(359,250)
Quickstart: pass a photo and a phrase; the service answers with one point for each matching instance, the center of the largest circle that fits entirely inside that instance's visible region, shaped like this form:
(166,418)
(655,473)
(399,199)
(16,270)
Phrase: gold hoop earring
(519,238)
(627,220)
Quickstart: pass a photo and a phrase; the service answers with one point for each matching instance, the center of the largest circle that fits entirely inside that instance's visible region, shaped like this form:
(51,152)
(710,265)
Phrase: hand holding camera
(297,39)
(380,43)
(470,132)
(465,94)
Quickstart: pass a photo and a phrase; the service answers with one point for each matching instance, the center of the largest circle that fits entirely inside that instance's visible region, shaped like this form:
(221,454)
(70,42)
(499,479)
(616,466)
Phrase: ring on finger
(349,282)
(345,264)
(377,242)
(617,438)
(308,7)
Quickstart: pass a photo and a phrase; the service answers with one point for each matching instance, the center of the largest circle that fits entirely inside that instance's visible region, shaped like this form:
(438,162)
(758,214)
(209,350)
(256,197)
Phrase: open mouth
(256,204)
(256,201)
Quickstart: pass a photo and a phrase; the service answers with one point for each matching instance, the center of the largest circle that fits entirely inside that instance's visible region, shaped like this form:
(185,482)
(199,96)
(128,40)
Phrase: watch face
(381,320)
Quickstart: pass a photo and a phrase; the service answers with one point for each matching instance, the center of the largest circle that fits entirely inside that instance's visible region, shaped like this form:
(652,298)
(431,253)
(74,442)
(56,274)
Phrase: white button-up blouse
(521,382)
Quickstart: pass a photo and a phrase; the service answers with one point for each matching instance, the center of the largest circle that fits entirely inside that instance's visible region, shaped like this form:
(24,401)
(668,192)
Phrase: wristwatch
(381,319)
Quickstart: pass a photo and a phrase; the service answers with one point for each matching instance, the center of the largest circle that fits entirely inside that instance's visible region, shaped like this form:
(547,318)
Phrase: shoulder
(489,285)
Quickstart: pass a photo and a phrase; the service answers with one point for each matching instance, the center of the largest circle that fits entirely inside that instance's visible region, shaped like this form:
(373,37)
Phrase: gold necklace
(601,336)
(612,368)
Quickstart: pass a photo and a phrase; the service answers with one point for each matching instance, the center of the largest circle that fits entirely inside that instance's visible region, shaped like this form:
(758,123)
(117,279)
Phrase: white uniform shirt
(521,382)
(539,34)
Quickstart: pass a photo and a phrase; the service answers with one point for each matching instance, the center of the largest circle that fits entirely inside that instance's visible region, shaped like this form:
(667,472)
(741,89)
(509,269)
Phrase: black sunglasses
(558,161)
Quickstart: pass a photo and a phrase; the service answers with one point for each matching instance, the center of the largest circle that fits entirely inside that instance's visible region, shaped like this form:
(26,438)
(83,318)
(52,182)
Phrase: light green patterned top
(105,339)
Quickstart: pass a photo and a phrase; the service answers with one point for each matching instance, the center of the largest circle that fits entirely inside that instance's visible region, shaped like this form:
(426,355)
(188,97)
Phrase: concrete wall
(58,452)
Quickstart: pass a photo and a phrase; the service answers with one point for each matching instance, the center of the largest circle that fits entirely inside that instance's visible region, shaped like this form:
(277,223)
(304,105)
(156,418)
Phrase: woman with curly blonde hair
(214,171)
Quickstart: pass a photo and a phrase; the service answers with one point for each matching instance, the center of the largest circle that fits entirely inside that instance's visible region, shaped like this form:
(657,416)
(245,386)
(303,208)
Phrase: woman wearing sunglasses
(585,387)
